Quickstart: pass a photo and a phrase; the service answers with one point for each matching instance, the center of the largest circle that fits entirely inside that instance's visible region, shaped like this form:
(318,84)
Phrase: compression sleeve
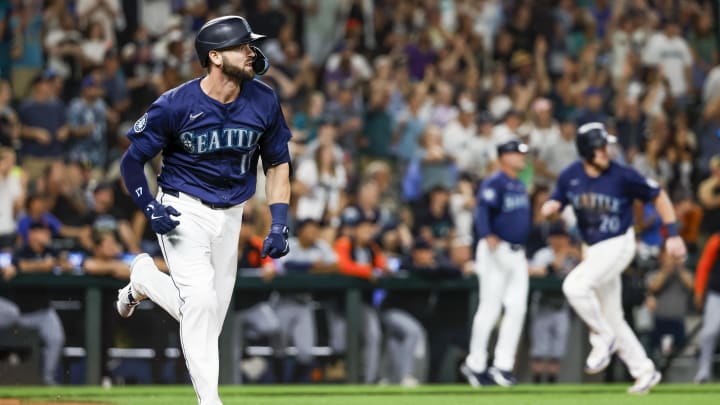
(133,174)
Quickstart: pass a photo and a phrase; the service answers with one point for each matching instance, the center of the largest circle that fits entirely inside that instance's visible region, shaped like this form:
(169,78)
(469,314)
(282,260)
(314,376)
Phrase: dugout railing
(91,290)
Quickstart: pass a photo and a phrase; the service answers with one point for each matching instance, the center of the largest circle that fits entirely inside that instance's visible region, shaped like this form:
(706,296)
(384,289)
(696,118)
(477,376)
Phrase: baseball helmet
(222,33)
(591,136)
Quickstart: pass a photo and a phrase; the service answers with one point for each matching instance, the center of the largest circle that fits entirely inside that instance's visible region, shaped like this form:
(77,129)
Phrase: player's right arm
(639,187)
(557,199)
(149,136)
(488,198)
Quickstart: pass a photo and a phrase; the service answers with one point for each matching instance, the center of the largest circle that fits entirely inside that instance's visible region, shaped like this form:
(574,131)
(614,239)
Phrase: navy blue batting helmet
(222,33)
(591,136)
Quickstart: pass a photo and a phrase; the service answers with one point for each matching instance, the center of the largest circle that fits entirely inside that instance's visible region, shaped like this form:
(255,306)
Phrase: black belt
(516,247)
(215,206)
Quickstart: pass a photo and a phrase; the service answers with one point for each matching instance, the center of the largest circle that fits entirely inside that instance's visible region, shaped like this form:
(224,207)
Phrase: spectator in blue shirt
(26,25)
(87,116)
(44,130)
(37,212)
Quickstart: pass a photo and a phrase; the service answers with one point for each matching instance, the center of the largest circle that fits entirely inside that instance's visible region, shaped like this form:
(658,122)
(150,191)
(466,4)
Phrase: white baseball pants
(201,254)
(503,277)
(594,289)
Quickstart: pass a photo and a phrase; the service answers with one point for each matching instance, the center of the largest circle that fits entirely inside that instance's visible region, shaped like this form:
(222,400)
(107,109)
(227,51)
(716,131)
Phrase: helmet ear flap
(260,63)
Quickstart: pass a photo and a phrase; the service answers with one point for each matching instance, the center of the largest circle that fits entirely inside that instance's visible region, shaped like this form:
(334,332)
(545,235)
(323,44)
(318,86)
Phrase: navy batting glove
(276,243)
(260,63)
(159,217)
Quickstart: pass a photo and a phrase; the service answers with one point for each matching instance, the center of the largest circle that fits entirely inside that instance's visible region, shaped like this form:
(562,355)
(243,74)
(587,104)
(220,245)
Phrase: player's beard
(238,74)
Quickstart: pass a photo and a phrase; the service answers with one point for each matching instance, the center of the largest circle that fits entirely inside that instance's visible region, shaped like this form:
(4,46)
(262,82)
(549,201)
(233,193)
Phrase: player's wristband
(279,213)
(672,229)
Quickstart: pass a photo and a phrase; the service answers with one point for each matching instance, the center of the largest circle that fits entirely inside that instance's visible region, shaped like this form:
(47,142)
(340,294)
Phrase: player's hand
(550,207)
(8,272)
(676,247)
(699,301)
(492,241)
(260,63)
(267,272)
(160,218)
(276,243)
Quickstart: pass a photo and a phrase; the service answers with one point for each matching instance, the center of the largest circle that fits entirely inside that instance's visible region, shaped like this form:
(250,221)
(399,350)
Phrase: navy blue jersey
(603,204)
(503,209)
(210,149)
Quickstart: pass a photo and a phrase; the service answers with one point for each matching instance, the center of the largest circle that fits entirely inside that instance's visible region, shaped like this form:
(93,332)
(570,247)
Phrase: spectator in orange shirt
(707,293)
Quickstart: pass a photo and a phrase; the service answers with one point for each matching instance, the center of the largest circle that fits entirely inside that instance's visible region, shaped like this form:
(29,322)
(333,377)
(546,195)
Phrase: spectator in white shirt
(458,133)
(671,54)
(543,129)
(11,197)
(478,157)
(556,154)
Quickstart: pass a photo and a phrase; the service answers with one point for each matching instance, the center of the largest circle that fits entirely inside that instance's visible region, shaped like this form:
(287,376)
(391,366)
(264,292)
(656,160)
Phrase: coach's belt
(215,206)
(515,247)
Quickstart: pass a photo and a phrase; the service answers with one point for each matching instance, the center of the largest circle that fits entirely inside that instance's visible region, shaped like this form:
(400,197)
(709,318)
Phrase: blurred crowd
(395,107)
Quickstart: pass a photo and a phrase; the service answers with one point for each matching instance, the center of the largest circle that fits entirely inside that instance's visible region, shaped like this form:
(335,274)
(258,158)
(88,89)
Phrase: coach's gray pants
(297,322)
(709,335)
(47,323)
(372,337)
(404,337)
(260,321)
(9,313)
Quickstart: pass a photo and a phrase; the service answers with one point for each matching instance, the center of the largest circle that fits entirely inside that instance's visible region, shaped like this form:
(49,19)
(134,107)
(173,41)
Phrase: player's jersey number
(609,223)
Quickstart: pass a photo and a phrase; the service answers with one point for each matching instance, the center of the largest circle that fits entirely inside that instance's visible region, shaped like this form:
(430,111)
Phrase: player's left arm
(276,162)
(674,244)
(646,189)
(557,201)
(277,188)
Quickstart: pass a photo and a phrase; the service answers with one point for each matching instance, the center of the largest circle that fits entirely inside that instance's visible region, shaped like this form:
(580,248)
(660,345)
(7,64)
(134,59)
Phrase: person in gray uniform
(549,310)
(255,317)
(309,254)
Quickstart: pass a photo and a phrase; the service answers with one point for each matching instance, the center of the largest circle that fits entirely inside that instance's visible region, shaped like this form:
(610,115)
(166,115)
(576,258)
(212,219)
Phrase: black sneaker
(477,380)
(502,378)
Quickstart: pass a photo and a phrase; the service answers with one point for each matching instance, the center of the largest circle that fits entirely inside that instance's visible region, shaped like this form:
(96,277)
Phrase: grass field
(666,394)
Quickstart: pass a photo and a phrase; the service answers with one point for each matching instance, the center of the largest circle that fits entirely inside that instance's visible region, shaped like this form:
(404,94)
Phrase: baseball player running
(502,222)
(601,193)
(211,131)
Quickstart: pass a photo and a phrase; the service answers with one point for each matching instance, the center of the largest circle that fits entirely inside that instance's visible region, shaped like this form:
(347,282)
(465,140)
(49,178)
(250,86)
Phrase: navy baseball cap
(38,225)
(88,81)
(421,243)
(485,118)
(593,91)
(512,146)
(352,216)
(557,229)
